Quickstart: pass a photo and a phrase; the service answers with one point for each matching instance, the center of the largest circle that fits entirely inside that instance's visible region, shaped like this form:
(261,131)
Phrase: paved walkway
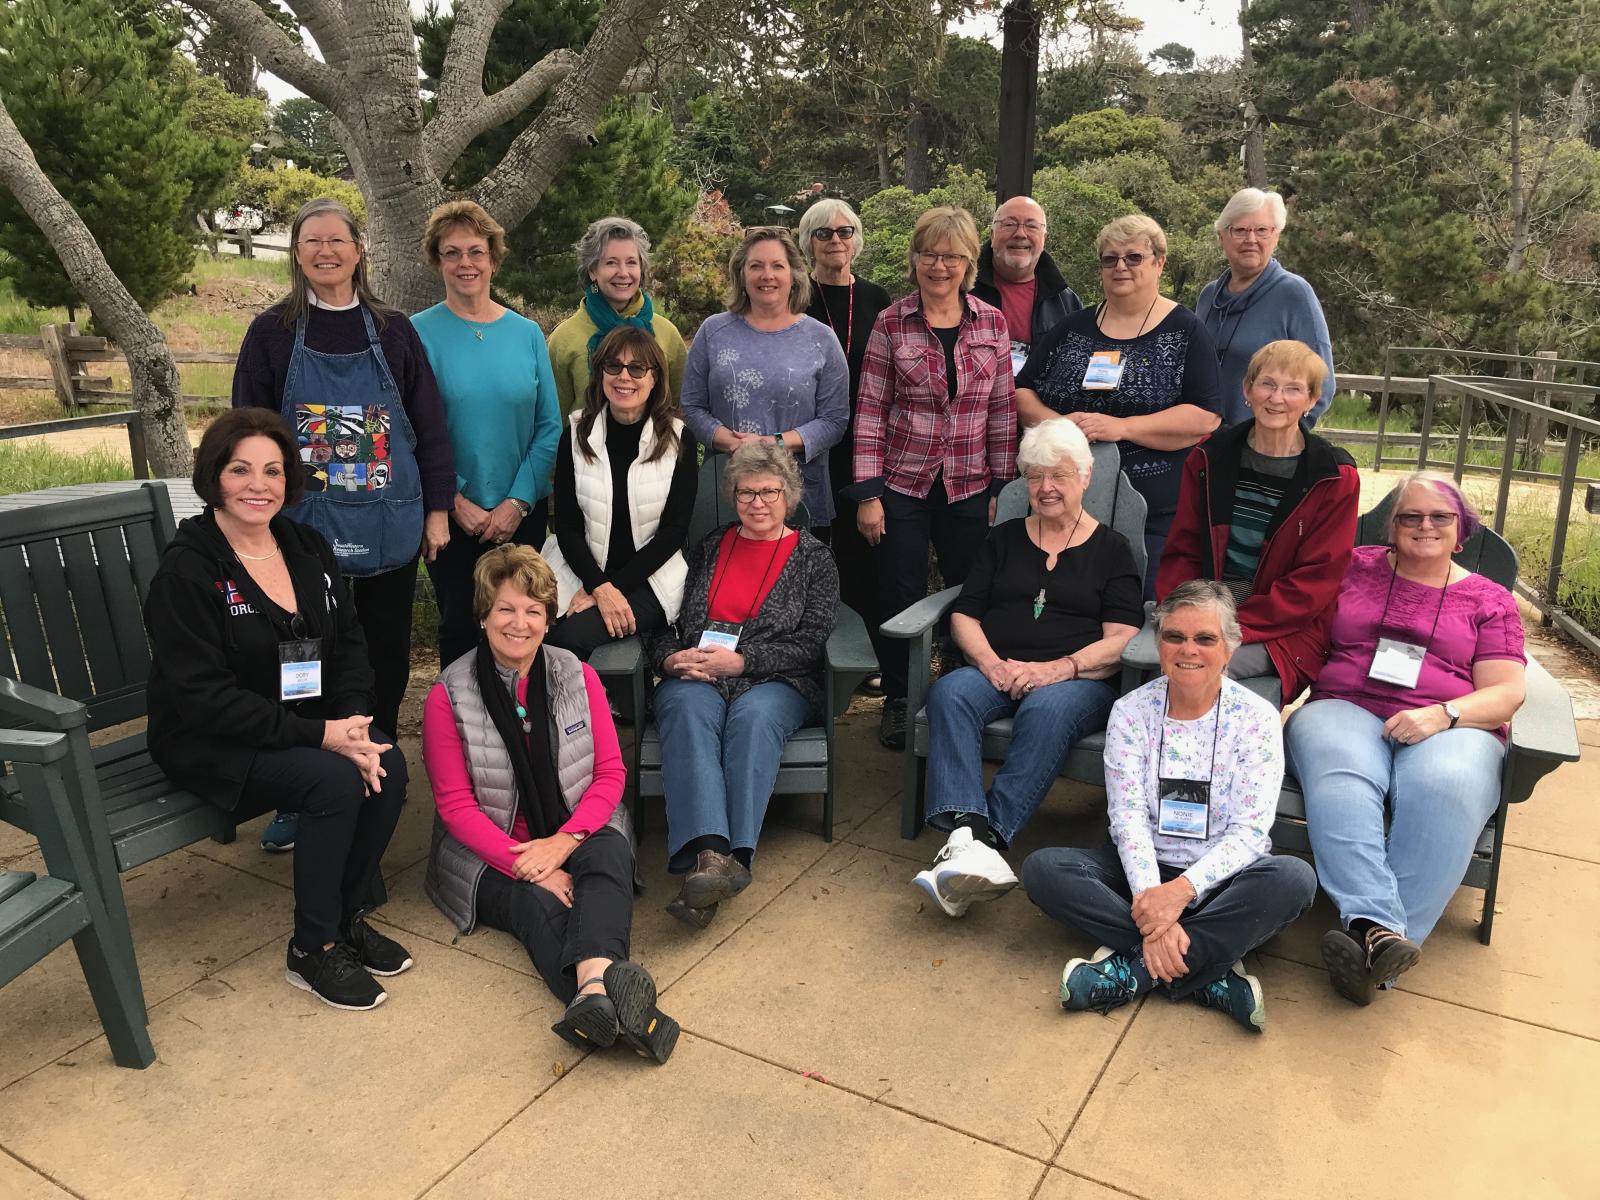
(841,1038)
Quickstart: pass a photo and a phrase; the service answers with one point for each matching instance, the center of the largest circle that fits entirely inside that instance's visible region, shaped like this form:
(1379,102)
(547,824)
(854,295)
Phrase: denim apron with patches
(363,488)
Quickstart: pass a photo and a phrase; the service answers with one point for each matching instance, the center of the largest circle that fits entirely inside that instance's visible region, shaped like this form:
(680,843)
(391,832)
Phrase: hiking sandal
(590,1020)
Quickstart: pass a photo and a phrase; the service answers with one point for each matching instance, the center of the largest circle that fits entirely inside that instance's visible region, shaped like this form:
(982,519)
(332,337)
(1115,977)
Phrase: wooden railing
(68,354)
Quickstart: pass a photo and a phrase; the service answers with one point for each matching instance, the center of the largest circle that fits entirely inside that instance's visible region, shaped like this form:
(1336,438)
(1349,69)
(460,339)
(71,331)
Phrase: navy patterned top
(1174,363)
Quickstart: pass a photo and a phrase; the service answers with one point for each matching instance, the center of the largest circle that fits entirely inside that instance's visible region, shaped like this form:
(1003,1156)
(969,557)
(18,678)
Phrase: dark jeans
(585,632)
(956,531)
(342,833)
(383,603)
(556,937)
(1088,890)
(451,575)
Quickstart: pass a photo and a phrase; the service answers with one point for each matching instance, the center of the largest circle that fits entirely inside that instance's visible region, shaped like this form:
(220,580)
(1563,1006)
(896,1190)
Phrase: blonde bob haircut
(1291,358)
(947,223)
(825,214)
(1130,229)
(520,566)
(738,298)
(470,216)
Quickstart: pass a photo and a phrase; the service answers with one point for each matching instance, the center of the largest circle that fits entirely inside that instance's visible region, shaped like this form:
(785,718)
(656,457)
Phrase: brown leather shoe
(716,877)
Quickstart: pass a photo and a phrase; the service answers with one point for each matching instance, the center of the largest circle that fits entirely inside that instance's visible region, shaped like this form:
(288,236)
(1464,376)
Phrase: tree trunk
(1255,150)
(885,170)
(918,173)
(1360,15)
(157,391)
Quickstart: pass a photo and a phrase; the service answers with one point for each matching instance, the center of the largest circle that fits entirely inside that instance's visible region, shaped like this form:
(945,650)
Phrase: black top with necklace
(850,310)
(1093,582)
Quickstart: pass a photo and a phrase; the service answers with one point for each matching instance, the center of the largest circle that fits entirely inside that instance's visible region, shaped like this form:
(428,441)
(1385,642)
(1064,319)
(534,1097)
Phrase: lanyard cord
(1044,561)
(728,567)
(1161,746)
(1099,315)
(1383,617)
(850,315)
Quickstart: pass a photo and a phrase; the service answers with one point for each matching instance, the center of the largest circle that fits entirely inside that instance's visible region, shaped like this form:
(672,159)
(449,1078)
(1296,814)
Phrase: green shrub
(887,218)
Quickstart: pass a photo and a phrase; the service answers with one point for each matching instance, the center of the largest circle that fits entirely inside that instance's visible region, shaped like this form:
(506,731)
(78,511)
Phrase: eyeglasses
(1289,391)
(767,495)
(635,370)
(475,255)
(1108,262)
(1261,232)
(1011,225)
(1413,520)
(1204,640)
(1056,477)
(944,260)
(334,244)
(843,232)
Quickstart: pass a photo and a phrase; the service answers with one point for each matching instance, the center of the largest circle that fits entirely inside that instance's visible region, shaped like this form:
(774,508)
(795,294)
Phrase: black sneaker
(334,977)
(892,726)
(378,954)
(642,1025)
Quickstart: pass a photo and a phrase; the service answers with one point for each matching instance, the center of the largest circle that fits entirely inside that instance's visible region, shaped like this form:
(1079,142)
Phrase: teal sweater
(499,402)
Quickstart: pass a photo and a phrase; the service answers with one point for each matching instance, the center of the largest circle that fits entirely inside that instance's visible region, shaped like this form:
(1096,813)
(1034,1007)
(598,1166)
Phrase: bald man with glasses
(1017,275)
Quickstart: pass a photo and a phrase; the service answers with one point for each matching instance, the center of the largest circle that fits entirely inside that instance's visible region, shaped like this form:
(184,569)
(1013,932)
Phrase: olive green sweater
(569,355)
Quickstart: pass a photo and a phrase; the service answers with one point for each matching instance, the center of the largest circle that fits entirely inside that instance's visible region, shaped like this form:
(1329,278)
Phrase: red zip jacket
(1303,558)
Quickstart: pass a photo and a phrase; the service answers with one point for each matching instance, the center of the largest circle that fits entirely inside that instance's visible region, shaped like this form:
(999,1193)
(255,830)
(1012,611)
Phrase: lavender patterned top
(758,382)
(1244,792)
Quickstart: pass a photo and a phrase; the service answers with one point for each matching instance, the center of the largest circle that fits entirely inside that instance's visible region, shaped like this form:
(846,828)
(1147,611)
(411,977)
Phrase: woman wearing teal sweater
(500,404)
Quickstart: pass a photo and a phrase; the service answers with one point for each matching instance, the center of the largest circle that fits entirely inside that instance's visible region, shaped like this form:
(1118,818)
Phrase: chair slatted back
(1110,499)
(1485,553)
(73,579)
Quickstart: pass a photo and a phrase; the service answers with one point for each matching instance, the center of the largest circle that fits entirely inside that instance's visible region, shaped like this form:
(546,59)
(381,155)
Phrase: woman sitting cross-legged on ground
(1043,618)
(1406,722)
(742,671)
(261,697)
(1269,508)
(625,484)
(531,837)
(1194,763)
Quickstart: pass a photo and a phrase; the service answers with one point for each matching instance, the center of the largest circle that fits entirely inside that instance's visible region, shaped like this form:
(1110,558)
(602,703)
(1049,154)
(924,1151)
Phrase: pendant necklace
(1038,601)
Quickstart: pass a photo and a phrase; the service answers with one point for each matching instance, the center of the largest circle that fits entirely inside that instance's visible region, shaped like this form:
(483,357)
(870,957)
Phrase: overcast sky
(1208,27)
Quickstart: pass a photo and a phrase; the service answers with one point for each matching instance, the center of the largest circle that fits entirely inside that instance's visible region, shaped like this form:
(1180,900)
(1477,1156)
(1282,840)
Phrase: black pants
(558,938)
(858,573)
(956,531)
(451,575)
(1088,890)
(585,632)
(342,834)
(383,603)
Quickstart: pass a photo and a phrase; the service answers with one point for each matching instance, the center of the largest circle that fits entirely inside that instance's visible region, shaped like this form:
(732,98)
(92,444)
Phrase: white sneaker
(963,871)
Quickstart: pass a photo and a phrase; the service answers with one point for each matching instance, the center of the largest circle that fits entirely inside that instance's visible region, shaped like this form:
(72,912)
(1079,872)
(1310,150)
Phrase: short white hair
(828,212)
(1252,200)
(1048,442)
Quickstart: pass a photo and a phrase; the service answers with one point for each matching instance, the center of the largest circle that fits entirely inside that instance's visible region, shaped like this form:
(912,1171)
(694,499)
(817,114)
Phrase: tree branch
(455,125)
(325,21)
(276,50)
(461,77)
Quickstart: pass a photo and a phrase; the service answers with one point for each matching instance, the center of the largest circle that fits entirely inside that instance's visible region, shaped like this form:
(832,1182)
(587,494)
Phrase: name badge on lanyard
(720,633)
(1183,806)
(1104,371)
(1019,356)
(1397,662)
(300,669)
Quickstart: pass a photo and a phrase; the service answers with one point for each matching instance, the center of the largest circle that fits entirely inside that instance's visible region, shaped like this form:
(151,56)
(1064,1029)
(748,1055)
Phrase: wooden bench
(75,659)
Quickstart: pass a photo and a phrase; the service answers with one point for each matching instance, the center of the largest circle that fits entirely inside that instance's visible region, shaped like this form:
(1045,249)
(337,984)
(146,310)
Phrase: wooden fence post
(136,447)
(246,245)
(61,373)
(1538,424)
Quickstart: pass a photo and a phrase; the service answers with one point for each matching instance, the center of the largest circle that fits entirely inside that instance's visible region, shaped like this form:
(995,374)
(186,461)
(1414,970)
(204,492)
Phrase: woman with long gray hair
(613,273)
(350,376)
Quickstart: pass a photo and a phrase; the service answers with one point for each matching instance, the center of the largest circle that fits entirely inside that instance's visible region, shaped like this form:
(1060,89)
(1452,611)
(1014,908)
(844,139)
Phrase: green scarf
(606,318)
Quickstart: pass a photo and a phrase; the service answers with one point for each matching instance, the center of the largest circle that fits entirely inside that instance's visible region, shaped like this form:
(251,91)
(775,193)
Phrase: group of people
(859,432)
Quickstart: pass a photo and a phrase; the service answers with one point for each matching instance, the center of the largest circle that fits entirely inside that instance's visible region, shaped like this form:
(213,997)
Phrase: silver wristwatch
(1451,711)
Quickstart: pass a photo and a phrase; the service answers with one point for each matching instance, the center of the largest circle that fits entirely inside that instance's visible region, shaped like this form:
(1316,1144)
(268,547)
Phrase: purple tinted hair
(1468,522)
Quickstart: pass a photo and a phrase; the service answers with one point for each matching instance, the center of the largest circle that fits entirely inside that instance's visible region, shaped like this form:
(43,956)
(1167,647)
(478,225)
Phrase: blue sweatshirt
(499,403)
(1278,304)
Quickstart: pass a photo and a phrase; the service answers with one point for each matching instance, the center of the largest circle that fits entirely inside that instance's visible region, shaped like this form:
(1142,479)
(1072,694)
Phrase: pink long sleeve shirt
(446,763)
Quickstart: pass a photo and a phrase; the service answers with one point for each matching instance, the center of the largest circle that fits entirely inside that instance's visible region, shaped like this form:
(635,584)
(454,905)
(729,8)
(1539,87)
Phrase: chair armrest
(921,616)
(1544,727)
(849,648)
(32,746)
(1141,653)
(622,657)
(23,701)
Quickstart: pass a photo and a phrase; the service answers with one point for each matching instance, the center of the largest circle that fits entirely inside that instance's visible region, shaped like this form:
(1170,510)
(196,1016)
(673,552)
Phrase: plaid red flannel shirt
(907,427)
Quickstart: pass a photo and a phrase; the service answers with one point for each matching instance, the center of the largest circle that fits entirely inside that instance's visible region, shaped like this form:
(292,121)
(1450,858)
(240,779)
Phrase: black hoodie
(1053,300)
(213,692)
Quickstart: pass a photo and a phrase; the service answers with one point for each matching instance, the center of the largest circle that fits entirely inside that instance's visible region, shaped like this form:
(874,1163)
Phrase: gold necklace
(276,550)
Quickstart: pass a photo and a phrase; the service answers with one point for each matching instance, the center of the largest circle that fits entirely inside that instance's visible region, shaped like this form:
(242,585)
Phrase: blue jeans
(1045,724)
(1088,890)
(1440,792)
(719,760)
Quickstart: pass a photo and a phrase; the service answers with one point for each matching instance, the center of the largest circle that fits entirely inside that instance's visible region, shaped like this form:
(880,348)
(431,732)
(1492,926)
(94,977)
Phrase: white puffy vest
(648,486)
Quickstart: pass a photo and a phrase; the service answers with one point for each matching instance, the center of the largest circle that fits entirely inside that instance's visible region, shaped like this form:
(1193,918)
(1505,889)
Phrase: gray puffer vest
(453,870)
